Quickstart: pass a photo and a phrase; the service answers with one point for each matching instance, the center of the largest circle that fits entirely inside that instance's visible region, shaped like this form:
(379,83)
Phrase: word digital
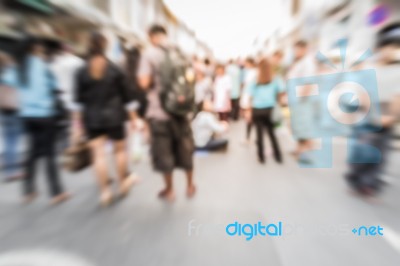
(252,230)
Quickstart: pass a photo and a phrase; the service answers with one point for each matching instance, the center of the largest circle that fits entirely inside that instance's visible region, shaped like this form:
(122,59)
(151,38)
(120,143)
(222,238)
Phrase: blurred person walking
(64,64)
(103,95)
(264,94)
(366,169)
(282,111)
(250,76)
(11,123)
(139,134)
(222,93)
(366,172)
(171,136)
(131,68)
(303,66)
(38,109)
(233,71)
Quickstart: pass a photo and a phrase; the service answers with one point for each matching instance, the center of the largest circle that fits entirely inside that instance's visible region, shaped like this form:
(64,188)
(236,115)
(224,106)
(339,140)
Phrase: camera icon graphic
(335,105)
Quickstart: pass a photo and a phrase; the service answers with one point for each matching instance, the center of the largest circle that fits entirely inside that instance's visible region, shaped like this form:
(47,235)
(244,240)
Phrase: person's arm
(127,97)
(395,107)
(52,81)
(281,92)
(229,86)
(394,112)
(77,130)
(250,91)
(78,89)
(145,73)
(10,77)
(216,126)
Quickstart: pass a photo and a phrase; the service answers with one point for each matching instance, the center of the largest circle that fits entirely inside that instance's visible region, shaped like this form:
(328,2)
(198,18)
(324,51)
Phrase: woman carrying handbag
(105,99)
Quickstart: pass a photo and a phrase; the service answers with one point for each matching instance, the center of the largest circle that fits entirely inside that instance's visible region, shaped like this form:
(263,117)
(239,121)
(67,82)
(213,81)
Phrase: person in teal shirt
(264,94)
(37,86)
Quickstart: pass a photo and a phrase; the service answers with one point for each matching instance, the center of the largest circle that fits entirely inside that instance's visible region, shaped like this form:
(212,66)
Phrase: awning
(83,11)
(9,33)
(94,16)
(41,6)
(170,16)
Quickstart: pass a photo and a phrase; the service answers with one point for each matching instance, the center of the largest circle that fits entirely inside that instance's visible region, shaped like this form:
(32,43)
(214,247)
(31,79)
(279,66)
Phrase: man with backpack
(169,83)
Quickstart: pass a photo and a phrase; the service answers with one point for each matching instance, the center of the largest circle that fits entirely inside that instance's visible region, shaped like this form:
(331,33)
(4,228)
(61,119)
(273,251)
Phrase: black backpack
(177,84)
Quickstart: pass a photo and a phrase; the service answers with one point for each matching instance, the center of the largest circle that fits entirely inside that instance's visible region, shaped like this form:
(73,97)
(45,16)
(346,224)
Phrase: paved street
(314,205)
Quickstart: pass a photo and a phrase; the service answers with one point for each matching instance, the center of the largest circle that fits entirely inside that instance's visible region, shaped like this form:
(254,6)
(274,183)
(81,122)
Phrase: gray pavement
(314,205)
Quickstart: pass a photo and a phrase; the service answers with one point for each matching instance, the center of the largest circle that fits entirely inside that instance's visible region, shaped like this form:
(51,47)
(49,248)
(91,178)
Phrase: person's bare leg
(302,146)
(191,188)
(310,145)
(305,146)
(121,159)
(125,179)
(100,167)
(168,192)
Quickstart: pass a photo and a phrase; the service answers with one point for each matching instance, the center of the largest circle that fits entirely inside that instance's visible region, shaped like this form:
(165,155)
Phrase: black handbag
(77,158)
(61,114)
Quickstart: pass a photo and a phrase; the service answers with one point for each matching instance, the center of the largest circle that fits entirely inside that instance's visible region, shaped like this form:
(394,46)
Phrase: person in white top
(64,66)
(222,93)
(207,129)
(302,127)
(202,87)
(245,99)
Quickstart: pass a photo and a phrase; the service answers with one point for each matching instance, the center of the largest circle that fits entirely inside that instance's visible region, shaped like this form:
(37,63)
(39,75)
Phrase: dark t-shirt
(103,100)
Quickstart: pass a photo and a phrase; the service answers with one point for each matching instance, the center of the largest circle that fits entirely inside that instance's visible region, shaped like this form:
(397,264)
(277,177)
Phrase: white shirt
(205,125)
(202,88)
(305,67)
(64,68)
(222,94)
(249,78)
(233,71)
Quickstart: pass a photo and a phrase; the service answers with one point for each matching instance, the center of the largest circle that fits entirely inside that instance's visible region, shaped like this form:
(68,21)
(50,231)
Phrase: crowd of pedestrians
(61,100)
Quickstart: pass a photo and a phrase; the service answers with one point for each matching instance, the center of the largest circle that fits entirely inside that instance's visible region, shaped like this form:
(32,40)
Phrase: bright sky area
(229,27)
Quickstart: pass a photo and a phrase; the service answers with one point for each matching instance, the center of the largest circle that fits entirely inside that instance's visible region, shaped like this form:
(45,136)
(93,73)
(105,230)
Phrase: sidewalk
(233,186)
